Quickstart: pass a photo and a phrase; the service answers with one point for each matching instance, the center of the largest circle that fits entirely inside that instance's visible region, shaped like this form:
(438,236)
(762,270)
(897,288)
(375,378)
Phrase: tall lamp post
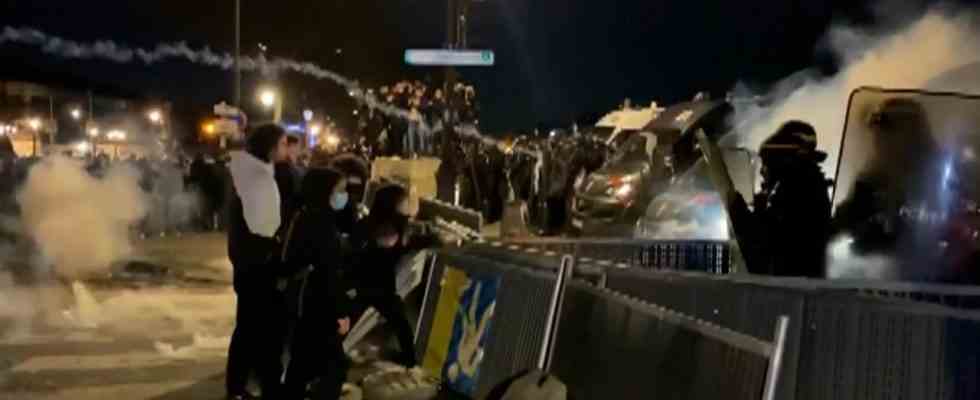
(238,53)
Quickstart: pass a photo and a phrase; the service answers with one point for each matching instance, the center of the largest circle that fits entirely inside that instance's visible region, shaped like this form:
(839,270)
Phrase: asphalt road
(136,337)
(157,329)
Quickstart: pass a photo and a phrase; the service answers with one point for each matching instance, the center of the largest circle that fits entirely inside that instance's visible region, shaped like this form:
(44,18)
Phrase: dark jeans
(317,355)
(392,309)
(257,342)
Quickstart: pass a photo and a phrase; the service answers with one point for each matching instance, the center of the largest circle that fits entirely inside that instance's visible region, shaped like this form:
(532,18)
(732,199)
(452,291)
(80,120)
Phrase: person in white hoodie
(254,220)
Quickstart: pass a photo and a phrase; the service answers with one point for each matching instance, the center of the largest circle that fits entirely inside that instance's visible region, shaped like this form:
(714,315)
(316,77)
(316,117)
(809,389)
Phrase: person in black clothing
(254,219)
(376,272)
(289,176)
(313,251)
(381,240)
(786,233)
(356,170)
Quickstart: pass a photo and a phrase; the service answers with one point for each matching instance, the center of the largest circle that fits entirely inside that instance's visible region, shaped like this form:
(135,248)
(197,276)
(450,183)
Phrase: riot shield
(906,189)
(693,208)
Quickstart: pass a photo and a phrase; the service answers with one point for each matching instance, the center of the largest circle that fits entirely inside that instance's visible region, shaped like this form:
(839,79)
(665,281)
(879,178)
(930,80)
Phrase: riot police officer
(787,231)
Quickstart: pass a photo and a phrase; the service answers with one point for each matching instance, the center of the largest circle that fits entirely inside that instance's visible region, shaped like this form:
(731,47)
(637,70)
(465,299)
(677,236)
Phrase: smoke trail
(111,51)
(914,57)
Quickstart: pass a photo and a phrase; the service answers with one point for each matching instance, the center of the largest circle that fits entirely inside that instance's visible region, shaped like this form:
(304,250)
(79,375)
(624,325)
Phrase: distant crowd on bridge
(422,133)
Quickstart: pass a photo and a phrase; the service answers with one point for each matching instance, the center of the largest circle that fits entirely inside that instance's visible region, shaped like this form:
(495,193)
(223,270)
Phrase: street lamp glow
(34,123)
(82,147)
(267,97)
(76,113)
(315,129)
(155,116)
(93,132)
(333,140)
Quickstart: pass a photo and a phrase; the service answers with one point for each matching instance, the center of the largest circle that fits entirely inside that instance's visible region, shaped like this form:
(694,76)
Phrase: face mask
(338,201)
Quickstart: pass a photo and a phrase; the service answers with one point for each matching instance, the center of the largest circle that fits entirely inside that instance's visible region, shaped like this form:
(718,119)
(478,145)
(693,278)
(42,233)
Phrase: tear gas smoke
(940,41)
(80,223)
(843,263)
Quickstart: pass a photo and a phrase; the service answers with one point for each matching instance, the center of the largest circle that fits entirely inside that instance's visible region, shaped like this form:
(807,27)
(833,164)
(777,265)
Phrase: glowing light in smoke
(315,129)
(333,140)
(93,132)
(76,113)
(34,123)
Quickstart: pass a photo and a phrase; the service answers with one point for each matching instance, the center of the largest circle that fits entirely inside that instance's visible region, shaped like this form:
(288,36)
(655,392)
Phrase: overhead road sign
(449,58)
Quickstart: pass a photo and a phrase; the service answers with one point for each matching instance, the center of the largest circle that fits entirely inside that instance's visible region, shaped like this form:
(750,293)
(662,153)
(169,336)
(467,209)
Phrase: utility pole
(238,53)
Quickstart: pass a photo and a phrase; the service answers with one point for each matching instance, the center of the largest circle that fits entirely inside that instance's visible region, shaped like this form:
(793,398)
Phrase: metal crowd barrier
(527,333)
(706,256)
(410,275)
(431,209)
(611,346)
(518,334)
(871,348)
(846,340)
(883,329)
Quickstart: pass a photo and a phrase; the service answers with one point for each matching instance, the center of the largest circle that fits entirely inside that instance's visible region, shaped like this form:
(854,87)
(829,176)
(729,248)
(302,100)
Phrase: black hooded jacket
(313,245)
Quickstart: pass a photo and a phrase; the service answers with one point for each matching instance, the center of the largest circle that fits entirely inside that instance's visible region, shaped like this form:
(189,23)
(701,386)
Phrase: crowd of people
(298,248)
(420,134)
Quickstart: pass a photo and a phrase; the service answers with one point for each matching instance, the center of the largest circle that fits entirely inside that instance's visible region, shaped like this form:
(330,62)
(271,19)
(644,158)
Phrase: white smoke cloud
(80,223)
(916,56)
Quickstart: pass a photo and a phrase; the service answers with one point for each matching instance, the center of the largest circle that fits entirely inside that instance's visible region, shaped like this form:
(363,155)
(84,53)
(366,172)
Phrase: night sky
(558,60)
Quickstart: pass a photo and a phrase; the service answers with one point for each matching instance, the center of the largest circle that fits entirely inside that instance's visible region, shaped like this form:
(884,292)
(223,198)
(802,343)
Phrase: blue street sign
(449,58)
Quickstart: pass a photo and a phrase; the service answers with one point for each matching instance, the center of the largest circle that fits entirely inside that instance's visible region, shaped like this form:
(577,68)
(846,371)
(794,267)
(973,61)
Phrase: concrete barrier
(419,174)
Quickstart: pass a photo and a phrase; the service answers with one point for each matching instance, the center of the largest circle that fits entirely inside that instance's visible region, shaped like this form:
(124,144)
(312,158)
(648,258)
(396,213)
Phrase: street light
(34,123)
(155,116)
(93,132)
(270,99)
(267,97)
(209,129)
(76,114)
(315,129)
